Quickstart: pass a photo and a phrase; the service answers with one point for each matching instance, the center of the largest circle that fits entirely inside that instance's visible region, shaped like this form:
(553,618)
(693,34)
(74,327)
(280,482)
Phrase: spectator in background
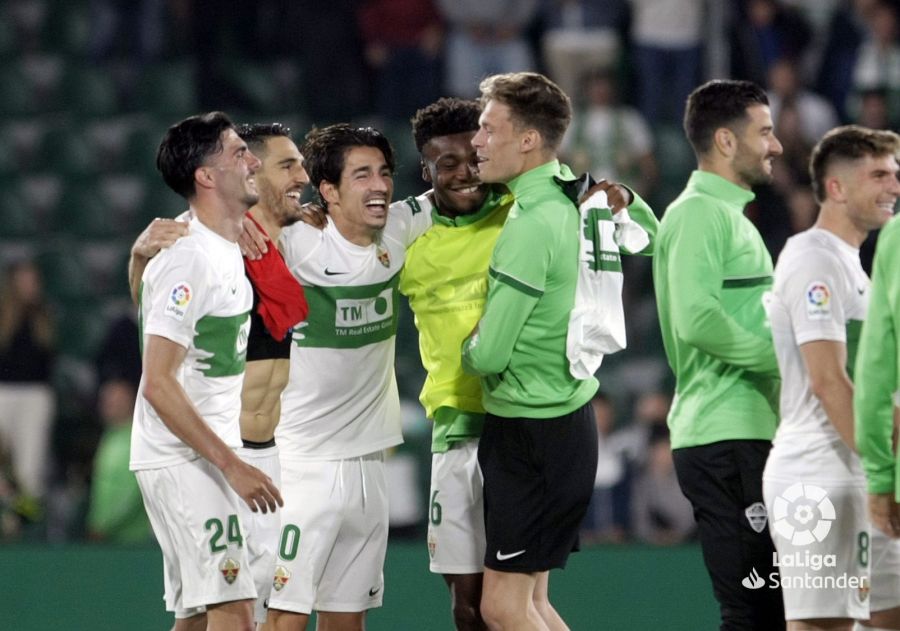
(485,37)
(878,59)
(873,111)
(766,31)
(660,513)
(610,140)
(402,44)
(116,513)
(580,35)
(667,37)
(27,401)
(835,77)
(607,515)
(815,114)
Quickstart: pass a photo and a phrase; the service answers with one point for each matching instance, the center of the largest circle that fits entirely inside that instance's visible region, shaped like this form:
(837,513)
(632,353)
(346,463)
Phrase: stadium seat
(67,27)
(167,90)
(16,218)
(91,91)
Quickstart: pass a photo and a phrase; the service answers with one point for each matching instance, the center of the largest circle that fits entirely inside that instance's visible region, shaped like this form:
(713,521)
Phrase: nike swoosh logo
(373,592)
(328,272)
(504,557)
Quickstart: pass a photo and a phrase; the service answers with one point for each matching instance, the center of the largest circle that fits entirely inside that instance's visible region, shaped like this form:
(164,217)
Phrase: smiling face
(281,180)
(359,202)
(451,165)
(498,145)
(757,146)
(234,168)
(871,189)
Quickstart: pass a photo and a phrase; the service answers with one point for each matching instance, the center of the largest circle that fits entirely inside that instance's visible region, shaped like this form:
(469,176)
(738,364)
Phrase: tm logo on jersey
(368,313)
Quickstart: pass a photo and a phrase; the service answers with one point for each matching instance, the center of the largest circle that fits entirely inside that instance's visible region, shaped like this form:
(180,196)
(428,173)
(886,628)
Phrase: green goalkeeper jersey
(445,279)
(712,273)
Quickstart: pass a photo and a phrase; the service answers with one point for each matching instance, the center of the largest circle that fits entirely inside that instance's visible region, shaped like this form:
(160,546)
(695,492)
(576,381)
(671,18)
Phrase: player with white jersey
(341,407)
(194,307)
(834,567)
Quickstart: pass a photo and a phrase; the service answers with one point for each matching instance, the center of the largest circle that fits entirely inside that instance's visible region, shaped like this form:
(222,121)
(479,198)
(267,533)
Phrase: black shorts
(538,480)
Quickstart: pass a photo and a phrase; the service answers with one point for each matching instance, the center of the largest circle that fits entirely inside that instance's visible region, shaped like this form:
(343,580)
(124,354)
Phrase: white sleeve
(815,294)
(297,243)
(408,219)
(178,292)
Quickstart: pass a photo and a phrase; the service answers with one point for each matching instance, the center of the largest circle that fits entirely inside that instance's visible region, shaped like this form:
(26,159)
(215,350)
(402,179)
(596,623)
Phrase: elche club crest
(230,570)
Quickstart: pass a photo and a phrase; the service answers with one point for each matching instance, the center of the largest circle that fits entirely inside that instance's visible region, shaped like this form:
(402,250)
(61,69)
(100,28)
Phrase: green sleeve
(697,249)
(518,274)
(509,303)
(644,216)
(875,376)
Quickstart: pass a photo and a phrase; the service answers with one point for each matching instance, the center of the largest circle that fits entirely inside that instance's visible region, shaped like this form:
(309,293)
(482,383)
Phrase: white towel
(597,321)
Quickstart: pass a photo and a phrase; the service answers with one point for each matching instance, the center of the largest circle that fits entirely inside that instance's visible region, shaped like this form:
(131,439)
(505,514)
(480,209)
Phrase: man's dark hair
(187,146)
(534,102)
(444,117)
(256,135)
(325,151)
(847,144)
(718,104)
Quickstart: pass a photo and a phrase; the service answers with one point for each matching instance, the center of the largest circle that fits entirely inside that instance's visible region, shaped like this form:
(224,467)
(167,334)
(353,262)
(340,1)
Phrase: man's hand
(253,486)
(161,233)
(618,196)
(885,513)
(253,242)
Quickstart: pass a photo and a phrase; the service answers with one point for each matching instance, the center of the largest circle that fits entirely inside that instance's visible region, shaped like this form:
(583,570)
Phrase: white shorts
(195,517)
(821,534)
(334,530)
(263,529)
(885,571)
(456,511)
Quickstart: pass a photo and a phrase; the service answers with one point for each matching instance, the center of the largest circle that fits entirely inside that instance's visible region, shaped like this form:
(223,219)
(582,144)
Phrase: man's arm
(161,233)
(826,362)
(875,373)
(695,271)
(162,360)
(488,350)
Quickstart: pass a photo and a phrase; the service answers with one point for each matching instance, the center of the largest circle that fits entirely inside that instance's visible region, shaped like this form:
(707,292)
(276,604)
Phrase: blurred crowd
(628,66)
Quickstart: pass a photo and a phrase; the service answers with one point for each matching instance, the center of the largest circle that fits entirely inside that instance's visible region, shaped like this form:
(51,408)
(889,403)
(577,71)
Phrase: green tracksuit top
(519,349)
(877,369)
(445,278)
(711,273)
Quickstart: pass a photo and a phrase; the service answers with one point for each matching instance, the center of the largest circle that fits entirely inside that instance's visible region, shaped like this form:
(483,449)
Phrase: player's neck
(835,220)
(723,169)
(357,234)
(264,219)
(225,222)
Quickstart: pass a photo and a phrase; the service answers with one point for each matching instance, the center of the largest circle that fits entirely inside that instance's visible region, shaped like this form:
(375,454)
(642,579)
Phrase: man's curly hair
(444,117)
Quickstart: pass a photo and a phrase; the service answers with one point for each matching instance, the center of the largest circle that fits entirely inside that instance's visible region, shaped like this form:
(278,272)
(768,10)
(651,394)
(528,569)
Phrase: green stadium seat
(139,156)
(67,150)
(67,27)
(168,90)
(91,91)
(16,217)
(81,327)
(63,270)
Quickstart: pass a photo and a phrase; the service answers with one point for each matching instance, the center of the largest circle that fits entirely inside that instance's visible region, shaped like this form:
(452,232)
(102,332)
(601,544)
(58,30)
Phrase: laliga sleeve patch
(179,299)
(818,301)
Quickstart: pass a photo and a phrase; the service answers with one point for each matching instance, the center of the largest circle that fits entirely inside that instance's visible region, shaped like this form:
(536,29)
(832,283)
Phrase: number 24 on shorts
(218,530)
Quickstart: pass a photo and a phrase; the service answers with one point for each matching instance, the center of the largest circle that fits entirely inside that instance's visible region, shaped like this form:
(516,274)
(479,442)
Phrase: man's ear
(834,188)
(426,174)
(725,142)
(530,140)
(203,177)
(329,192)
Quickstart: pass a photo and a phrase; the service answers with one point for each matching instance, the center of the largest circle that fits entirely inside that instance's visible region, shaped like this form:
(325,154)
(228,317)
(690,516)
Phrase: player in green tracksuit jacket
(538,450)
(446,281)
(877,380)
(711,273)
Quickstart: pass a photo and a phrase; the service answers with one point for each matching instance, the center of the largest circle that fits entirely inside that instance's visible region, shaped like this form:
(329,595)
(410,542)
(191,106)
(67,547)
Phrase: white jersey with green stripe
(195,293)
(341,400)
(821,293)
